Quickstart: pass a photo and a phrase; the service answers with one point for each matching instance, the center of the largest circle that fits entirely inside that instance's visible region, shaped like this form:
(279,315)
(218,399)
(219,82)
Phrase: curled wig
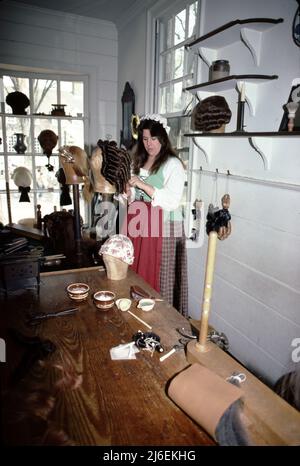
(211,113)
(116,164)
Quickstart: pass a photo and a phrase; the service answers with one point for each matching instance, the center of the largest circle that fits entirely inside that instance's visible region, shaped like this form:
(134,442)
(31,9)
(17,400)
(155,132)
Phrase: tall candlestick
(243,93)
(241,109)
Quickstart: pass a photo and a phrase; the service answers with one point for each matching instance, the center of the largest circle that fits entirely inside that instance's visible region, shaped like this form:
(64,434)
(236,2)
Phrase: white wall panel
(40,38)
(256,290)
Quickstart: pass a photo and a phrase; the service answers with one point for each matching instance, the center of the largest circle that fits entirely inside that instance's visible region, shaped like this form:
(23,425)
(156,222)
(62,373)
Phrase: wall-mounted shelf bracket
(263,146)
(249,31)
(252,40)
(204,145)
(233,82)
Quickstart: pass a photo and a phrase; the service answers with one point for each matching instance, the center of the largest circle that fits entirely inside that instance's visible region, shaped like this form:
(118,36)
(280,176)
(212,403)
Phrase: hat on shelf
(18,102)
(22,178)
(48,140)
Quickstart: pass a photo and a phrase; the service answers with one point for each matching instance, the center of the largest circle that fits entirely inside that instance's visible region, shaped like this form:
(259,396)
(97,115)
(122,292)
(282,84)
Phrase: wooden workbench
(27,232)
(111,402)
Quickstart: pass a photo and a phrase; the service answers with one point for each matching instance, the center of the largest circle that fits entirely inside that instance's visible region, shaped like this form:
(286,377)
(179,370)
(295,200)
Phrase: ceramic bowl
(78,291)
(123,304)
(104,299)
(146,304)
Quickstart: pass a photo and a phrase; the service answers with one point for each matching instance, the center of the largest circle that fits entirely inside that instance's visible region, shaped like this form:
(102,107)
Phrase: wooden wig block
(100,184)
(268,419)
(203,395)
(75,166)
(116,269)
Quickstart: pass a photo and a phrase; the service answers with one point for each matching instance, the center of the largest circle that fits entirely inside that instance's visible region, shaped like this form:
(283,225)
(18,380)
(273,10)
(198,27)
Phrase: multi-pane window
(176,63)
(176,70)
(44,94)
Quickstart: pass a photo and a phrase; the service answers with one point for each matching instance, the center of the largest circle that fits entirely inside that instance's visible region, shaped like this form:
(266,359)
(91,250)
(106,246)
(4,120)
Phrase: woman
(155,221)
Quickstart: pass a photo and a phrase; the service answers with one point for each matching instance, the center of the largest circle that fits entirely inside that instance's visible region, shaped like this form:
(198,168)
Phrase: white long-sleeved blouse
(169,196)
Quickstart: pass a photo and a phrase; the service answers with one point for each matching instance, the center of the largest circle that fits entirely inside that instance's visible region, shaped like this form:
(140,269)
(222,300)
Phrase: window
(176,70)
(43,92)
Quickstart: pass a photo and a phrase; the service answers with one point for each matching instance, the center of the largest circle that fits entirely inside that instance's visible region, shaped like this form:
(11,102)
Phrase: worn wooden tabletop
(78,395)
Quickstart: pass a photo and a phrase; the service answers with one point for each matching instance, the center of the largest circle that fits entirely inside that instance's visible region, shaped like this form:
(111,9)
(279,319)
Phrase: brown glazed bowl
(104,299)
(78,291)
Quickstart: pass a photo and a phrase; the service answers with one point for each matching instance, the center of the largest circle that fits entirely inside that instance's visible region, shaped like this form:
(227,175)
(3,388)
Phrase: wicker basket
(115,268)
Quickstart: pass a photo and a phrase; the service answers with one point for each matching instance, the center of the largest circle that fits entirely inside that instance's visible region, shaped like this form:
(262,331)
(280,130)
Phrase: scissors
(35,320)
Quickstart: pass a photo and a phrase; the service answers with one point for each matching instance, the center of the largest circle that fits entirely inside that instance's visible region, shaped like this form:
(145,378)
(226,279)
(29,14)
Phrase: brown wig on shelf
(211,113)
(116,164)
(140,155)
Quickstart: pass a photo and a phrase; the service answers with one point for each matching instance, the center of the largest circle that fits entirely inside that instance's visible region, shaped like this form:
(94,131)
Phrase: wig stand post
(202,344)
(77,225)
(8,202)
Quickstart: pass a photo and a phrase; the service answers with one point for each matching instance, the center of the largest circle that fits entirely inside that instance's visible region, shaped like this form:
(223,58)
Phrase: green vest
(157,181)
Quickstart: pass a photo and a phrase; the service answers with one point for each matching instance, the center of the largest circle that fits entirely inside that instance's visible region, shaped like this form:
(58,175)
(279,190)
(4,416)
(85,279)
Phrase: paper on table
(125,351)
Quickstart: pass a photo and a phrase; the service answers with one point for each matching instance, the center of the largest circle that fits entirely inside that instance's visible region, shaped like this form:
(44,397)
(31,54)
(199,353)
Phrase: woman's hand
(136,182)
(128,193)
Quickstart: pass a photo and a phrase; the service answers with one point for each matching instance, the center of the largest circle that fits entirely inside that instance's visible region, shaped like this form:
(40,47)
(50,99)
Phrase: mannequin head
(22,178)
(118,254)
(65,198)
(74,162)
(100,184)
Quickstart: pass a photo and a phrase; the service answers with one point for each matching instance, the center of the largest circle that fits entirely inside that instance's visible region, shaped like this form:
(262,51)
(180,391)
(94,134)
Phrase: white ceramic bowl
(146,304)
(123,304)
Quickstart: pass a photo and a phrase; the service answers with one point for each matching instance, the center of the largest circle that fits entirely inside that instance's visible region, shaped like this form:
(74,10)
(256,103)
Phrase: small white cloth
(125,351)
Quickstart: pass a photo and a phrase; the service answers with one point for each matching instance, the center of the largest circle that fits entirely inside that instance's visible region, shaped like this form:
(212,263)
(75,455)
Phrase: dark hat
(18,102)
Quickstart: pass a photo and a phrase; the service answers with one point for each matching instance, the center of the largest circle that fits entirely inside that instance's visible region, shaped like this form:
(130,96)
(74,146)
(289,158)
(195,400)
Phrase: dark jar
(219,69)
(20,147)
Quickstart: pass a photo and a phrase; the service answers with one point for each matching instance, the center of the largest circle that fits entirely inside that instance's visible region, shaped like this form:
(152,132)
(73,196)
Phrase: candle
(243,92)
(2,105)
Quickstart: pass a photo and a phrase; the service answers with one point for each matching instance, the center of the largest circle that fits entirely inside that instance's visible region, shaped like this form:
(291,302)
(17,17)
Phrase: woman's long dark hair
(140,155)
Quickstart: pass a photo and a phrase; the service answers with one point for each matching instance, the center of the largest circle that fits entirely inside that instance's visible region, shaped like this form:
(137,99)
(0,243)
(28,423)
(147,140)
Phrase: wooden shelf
(36,116)
(245,134)
(248,31)
(230,32)
(230,82)
(245,30)
(235,82)
(28,232)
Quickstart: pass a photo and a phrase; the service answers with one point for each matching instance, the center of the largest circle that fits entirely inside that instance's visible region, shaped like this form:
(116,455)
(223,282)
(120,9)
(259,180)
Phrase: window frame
(156,17)
(161,21)
(5,153)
